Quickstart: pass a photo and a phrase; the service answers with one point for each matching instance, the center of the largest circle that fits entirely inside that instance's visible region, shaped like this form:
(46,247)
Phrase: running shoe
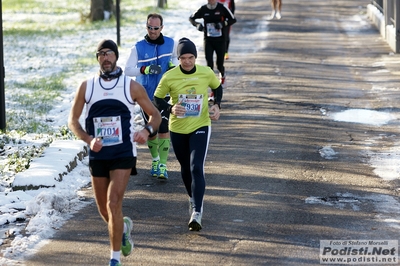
(114,262)
(155,168)
(272,15)
(278,15)
(195,221)
(211,97)
(226,56)
(163,173)
(222,79)
(127,242)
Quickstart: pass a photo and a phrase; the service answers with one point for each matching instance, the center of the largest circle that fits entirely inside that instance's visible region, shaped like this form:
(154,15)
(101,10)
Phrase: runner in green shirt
(190,120)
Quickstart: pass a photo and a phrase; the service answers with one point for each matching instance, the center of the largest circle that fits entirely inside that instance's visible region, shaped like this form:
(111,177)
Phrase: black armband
(160,103)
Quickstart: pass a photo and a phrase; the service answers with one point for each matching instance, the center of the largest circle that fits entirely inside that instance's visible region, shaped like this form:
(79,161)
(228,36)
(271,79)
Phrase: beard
(108,67)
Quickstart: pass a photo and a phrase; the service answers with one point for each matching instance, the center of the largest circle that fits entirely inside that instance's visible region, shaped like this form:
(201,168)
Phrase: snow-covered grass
(48,50)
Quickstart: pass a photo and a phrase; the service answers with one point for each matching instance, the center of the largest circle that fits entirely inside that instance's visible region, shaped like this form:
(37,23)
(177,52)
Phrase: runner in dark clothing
(215,18)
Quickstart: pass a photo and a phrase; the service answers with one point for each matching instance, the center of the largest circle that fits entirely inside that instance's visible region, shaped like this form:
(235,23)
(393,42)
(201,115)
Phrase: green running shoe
(127,242)
(163,173)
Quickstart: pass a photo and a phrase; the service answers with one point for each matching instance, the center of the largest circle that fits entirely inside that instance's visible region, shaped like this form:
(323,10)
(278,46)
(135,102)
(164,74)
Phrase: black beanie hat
(186,46)
(110,45)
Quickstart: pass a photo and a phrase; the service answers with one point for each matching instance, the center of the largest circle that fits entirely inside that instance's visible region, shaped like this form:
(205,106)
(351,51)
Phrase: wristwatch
(149,128)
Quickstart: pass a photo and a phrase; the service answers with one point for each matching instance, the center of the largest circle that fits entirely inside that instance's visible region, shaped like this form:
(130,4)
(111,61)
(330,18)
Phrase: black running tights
(191,151)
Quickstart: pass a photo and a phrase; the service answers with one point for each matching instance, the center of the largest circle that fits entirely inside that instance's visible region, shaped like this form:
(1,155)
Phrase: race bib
(212,31)
(109,129)
(193,104)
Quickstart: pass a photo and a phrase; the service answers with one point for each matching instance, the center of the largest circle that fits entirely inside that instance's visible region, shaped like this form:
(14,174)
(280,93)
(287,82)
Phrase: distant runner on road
(215,17)
(276,9)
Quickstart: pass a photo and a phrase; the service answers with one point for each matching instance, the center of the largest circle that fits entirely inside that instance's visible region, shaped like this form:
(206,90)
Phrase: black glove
(218,25)
(152,69)
(200,27)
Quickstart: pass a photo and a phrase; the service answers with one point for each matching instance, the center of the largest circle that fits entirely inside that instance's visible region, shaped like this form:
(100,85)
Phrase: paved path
(283,78)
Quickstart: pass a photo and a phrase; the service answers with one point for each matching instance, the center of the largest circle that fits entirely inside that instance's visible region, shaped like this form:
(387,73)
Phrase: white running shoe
(195,221)
(278,15)
(272,15)
(211,97)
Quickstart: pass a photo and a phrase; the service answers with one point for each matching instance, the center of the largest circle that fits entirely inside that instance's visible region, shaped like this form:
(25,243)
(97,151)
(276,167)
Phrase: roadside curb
(57,160)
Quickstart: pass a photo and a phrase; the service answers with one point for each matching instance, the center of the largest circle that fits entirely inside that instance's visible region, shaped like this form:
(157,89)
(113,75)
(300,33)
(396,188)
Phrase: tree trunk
(98,8)
(161,3)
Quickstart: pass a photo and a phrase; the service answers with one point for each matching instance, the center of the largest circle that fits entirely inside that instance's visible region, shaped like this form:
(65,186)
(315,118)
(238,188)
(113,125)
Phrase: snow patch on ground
(327,152)
(364,116)
(386,163)
(386,206)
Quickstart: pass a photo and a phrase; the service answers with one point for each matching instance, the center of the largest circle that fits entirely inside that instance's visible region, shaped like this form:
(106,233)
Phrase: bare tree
(161,3)
(99,9)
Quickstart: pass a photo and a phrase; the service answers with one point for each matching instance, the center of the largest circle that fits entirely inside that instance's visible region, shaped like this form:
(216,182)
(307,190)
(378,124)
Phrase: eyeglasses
(153,28)
(105,53)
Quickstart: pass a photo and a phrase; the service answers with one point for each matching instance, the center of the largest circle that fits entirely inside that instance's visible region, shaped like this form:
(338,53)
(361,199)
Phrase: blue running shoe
(155,168)
(114,262)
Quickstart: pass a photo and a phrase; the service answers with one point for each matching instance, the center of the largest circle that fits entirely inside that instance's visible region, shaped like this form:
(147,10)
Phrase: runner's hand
(200,27)
(141,136)
(218,25)
(214,112)
(178,109)
(96,144)
(151,69)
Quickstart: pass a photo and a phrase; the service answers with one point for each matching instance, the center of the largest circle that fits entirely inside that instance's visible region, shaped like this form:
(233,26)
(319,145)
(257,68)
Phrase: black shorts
(102,168)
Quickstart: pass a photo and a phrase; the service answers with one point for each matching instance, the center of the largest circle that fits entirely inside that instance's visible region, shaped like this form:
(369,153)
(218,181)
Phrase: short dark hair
(155,15)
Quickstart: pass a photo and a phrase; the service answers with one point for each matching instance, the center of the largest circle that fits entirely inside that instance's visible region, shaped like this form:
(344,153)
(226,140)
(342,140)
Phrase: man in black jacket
(215,17)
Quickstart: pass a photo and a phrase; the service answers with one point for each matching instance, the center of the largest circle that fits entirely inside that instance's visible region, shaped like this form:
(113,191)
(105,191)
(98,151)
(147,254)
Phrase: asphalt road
(283,78)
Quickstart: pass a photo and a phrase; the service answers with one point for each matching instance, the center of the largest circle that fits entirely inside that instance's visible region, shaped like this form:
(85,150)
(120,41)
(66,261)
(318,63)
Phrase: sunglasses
(105,53)
(153,28)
